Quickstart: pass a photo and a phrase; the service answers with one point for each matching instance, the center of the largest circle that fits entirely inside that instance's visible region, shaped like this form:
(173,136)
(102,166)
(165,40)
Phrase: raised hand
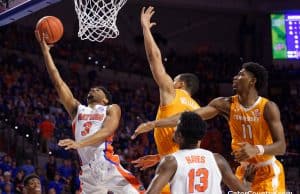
(146,161)
(146,15)
(143,128)
(68,144)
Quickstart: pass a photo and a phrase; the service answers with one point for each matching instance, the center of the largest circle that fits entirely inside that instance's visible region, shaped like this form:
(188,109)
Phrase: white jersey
(197,172)
(86,123)
(101,169)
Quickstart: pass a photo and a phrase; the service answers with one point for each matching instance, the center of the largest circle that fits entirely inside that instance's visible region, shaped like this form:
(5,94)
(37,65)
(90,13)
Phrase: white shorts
(99,177)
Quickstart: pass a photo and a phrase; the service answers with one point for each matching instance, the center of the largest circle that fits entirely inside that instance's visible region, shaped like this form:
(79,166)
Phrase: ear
(181,84)
(253,81)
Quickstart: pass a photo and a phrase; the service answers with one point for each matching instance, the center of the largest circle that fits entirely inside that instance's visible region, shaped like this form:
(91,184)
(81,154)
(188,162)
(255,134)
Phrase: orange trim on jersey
(109,151)
(131,179)
(112,157)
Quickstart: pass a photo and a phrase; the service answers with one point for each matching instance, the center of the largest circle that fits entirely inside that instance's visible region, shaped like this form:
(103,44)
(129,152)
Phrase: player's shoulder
(270,108)
(168,161)
(219,159)
(113,107)
(270,103)
(227,99)
(170,157)
(81,106)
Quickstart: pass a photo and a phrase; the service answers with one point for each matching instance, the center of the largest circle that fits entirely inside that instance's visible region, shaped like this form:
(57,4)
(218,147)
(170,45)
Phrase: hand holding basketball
(41,39)
(50,28)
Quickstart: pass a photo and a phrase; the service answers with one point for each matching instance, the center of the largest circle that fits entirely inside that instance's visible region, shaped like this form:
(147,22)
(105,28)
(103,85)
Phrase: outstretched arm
(109,126)
(163,80)
(164,173)
(64,92)
(229,178)
(207,112)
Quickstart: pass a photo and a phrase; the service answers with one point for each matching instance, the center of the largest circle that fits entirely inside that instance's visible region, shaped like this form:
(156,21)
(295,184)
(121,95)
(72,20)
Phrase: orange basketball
(52,28)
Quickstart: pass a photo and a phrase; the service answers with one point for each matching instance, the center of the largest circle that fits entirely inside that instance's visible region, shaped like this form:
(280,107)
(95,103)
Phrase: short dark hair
(191,126)
(106,92)
(191,82)
(259,72)
(29,177)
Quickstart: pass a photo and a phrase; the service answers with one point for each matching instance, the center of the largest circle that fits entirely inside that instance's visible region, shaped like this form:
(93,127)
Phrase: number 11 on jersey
(247,131)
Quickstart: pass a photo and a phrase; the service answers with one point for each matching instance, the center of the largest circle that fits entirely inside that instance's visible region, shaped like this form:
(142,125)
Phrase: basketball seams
(49,30)
(52,26)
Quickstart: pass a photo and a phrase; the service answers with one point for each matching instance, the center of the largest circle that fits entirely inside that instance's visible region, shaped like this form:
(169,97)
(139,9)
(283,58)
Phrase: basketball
(52,28)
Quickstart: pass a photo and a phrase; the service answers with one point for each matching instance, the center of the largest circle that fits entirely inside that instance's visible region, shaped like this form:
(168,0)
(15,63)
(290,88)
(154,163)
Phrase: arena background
(210,38)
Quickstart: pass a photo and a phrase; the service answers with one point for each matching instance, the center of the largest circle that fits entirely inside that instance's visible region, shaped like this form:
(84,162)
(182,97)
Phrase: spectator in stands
(32,184)
(46,131)
(6,180)
(28,167)
(14,169)
(51,191)
(6,163)
(56,184)
(66,170)
(18,182)
(8,188)
(51,167)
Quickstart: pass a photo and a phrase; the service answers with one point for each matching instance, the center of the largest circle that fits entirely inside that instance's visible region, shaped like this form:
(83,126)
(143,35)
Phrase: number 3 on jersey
(86,128)
(197,180)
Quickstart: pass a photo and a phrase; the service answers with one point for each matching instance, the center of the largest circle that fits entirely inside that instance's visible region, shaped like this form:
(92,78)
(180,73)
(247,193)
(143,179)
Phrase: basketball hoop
(97,18)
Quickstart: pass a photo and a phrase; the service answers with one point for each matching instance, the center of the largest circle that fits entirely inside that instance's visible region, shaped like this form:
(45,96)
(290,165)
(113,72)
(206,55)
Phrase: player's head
(99,94)
(190,129)
(32,184)
(187,81)
(252,75)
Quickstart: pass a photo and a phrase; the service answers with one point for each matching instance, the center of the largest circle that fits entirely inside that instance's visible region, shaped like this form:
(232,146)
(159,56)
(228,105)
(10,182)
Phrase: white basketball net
(97,18)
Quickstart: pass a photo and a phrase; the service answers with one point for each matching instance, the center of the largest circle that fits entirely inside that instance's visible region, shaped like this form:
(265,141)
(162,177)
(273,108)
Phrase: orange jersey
(249,125)
(163,137)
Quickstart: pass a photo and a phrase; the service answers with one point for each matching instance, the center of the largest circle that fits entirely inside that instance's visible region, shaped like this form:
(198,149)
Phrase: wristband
(260,149)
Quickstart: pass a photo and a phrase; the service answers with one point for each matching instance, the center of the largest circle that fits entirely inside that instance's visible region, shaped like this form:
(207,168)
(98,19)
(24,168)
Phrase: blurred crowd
(29,106)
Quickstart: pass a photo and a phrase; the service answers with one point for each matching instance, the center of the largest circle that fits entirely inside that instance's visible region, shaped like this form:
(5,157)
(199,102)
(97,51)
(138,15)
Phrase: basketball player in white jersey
(192,169)
(93,128)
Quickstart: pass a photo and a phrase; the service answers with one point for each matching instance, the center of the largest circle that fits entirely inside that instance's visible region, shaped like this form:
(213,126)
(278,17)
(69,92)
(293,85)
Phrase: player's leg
(269,178)
(88,183)
(122,181)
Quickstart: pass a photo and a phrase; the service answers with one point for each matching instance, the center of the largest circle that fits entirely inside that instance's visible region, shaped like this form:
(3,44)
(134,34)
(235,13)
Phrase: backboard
(12,10)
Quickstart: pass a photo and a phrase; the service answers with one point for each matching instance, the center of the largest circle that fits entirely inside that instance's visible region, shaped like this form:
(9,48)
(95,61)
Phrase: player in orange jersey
(175,96)
(255,126)
(195,170)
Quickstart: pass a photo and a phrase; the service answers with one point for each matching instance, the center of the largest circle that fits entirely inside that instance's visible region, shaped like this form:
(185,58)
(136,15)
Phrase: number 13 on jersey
(197,180)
